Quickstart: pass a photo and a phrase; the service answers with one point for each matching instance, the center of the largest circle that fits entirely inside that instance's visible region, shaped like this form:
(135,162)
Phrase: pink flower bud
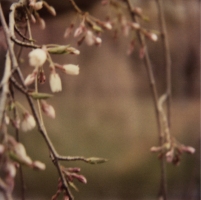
(30,79)
(79,30)
(170,156)
(135,25)
(11,169)
(42,23)
(71,69)
(55,82)
(106,25)
(52,11)
(98,40)
(131,47)
(153,37)
(47,109)
(2,149)
(79,177)
(38,5)
(137,11)
(68,31)
(28,122)
(33,19)
(155,149)
(142,52)
(37,57)
(188,149)
(7,120)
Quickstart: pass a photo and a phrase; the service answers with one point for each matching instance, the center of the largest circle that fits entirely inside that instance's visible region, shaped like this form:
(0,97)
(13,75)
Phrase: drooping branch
(167,57)
(147,62)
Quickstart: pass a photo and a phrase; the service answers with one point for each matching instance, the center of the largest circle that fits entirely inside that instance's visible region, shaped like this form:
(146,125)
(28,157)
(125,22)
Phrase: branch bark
(148,66)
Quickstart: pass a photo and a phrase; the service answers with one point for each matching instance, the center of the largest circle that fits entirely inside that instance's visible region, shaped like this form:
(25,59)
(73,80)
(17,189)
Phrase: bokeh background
(107,111)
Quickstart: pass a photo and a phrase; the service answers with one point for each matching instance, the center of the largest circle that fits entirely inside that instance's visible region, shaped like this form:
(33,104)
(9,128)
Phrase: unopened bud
(28,122)
(89,38)
(38,5)
(71,69)
(79,177)
(188,149)
(42,23)
(7,120)
(33,19)
(155,149)
(2,149)
(135,25)
(47,109)
(79,30)
(41,77)
(142,52)
(68,31)
(30,79)
(38,165)
(74,169)
(153,37)
(137,10)
(170,156)
(11,169)
(98,40)
(107,25)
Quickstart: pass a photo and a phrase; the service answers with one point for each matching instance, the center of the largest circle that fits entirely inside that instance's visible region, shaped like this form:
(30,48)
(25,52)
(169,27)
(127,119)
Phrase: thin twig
(167,57)
(75,6)
(22,35)
(149,69)
(21,175)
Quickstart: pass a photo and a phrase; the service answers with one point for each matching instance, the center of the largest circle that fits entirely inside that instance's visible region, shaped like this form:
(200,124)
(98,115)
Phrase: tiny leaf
(36,95)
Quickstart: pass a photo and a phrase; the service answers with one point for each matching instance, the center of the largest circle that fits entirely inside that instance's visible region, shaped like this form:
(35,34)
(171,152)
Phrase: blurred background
(107,111)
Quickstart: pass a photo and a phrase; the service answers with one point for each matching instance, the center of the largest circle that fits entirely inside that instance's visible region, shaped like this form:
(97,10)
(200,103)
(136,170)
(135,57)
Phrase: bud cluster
(35,6)
(70,174)
(88,30)
(172,151)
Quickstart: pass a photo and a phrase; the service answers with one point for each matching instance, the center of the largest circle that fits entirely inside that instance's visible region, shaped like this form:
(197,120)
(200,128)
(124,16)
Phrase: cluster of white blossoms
(37,58)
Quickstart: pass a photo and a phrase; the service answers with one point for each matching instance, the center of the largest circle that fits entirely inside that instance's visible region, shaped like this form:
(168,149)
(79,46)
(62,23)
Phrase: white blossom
(55,82)
(28,122)
(89,38)
(37,57)
(71,69)
(21,152)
